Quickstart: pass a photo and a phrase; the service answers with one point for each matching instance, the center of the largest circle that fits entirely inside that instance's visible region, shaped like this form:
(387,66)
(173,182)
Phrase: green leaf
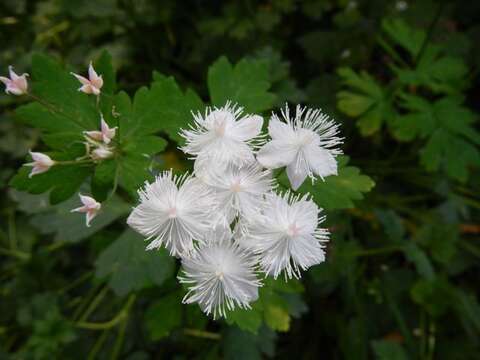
(241,345)
(163,107)
(103,179)
(418,257)
(441,238)
(435,296)
(62,181)
(365,100)
(388,350)
(164,315)
(103,66)
(404,35)
(130,267)
(247,83)
(337,192)
(247,319)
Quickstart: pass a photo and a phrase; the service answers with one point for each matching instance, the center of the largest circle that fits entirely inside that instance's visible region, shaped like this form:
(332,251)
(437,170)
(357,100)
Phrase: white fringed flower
(173,211)
(222,136)
(306,145)
(220,276)
(287,237)
(238,190)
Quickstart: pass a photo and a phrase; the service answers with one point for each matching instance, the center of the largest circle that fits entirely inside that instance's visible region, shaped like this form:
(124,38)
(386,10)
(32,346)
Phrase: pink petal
(95,135)
(82,79)
(88,201)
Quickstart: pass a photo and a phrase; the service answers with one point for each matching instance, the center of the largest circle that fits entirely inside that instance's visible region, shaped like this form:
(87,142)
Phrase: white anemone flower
(306,145)
(222,136)
(287,237)
(220,276)
(238,190)
(173,211)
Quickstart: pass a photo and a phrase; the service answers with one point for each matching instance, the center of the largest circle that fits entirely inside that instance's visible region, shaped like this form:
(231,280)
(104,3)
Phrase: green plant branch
(430,31)
(202,334)
(94,304)
(122,315)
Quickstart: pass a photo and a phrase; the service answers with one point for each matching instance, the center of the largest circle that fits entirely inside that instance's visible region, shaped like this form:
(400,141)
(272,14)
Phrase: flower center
(219,274)
(236,186)
(220,129)
(293,230)
(172,213)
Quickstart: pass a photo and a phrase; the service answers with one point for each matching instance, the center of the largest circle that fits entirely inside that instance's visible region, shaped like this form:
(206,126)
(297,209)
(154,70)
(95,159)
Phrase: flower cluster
(227,222)
(97,142)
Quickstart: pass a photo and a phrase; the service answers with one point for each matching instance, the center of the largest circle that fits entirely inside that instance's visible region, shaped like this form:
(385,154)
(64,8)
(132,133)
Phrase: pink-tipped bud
(90,208)
(106,134)
(16,85)
(101,153)
(93,84)
(41,163)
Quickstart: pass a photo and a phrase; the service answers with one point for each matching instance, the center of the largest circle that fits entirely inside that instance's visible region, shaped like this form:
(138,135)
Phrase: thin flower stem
(94,304)
(76,282)
(117,348)
(15,253)
(122,314)
(431,28)
(98,345)
(202,334)
(431,340)
(12,230)
(74,162)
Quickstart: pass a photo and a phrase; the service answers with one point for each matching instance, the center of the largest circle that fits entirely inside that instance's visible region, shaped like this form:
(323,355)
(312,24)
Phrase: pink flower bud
(106,134)
(90,207)
(101,153)
(16,85)
(41,163)
(93,84)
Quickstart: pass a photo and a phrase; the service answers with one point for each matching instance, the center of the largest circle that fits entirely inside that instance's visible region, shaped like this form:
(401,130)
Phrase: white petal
(247,128)
(321,161)
(278,130)
(88,201)
(275,154)
(296,175)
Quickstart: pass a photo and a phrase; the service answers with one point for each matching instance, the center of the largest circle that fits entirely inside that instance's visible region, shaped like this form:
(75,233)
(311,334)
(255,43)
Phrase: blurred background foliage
(401,280)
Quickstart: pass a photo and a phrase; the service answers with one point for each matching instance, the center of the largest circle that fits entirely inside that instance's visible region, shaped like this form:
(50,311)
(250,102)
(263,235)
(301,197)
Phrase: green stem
(117,348)
(111,323)
(94,304)
(98,345)
(15,253)
(76,282)
(429,35)
(202,334)
(12,230)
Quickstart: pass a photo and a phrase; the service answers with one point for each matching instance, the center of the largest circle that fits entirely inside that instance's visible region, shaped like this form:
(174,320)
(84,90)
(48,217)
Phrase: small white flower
(287,237)
(90,207)
(41,163)
(93,84)
(16,85)
(106,134)
(173,211)
(220,277)
(238,190)
(306,145)
(401,5)
(222,136)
